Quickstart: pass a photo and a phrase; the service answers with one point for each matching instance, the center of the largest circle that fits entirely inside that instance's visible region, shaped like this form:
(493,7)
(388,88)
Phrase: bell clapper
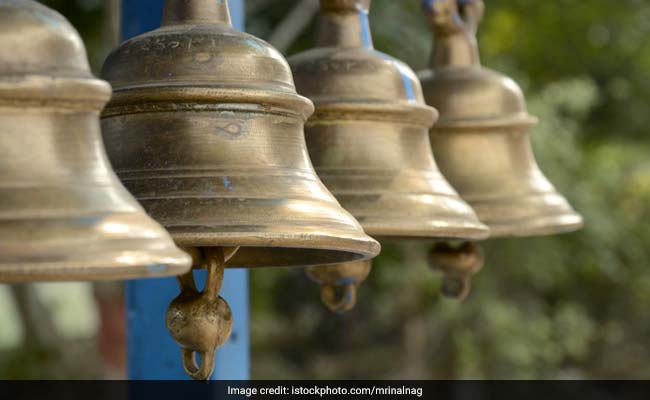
(347,300)
(340,283)
(201,322)
(457,262)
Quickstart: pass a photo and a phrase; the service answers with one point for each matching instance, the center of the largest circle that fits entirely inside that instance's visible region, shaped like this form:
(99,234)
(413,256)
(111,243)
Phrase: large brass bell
(206,130)
(481,141)
(368,138)
(63,213)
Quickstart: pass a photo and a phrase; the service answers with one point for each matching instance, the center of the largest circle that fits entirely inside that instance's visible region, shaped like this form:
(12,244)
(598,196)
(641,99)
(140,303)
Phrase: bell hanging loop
(472,13)
(455,36)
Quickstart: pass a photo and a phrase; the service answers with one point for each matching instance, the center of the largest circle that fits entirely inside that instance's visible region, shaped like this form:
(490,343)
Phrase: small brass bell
(368,138)
(481,142)
(206,130)
(63,213)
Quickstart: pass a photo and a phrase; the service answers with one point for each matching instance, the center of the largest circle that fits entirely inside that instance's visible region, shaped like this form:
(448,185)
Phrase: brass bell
(63,213)
(368,138)
(481,141)
(206,130)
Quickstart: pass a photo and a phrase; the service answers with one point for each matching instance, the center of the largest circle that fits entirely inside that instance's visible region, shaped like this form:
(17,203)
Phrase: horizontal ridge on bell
(481,142)
(368,138)
(63,213)
(206,130)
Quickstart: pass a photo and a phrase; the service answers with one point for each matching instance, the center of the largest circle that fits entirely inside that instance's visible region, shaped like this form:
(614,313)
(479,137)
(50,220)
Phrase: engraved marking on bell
(233,130)
(323,65)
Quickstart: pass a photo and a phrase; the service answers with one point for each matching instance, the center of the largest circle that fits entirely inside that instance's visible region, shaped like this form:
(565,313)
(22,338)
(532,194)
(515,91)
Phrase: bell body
(481,142)
(368,138)
(206,130)
(63,213)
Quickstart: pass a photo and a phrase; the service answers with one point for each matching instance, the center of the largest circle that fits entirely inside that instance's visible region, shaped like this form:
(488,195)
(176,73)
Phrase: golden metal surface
(368,138)
(340,283)
(206,130)
(457,263)
(481,141)
(63,213)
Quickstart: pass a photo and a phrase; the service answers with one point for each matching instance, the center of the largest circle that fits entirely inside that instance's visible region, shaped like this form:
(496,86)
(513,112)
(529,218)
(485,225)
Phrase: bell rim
(537,226)
(479,232)
(516,121)
(360,248)
(176,262)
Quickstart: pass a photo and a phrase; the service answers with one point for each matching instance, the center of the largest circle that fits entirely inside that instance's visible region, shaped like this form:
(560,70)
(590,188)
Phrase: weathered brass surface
(201,321)
(457,263)
(368,138)
(481,142)
(339,283)
(63,213)
(206,130)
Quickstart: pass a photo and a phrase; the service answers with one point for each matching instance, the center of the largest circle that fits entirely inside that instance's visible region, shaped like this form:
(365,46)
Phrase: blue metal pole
(152,353)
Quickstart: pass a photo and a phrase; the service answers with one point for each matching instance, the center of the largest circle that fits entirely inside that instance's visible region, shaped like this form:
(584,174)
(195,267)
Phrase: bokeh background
(569,306)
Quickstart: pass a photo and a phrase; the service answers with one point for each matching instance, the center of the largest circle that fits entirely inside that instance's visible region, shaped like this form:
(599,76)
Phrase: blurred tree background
(569,306)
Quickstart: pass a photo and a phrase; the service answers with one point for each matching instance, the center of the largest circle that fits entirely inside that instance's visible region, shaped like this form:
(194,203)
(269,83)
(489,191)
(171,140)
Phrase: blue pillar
(152,353)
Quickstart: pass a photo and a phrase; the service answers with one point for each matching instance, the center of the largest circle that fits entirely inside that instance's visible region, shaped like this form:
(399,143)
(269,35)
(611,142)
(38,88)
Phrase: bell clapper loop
(347,300)
(457,262)
(456,286)
(201,322)
(191,365)
(339,283)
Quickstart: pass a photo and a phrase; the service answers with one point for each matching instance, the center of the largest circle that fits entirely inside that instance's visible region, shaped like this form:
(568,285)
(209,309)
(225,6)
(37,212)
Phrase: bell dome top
(39,41)
(465,93)
(43,56)
(198,51)
(474,96)
(344,71)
